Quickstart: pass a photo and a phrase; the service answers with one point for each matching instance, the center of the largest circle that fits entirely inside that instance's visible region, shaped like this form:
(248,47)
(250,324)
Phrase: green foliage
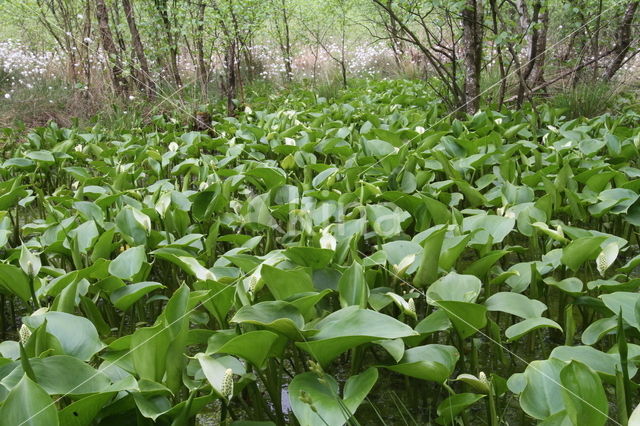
(341,262)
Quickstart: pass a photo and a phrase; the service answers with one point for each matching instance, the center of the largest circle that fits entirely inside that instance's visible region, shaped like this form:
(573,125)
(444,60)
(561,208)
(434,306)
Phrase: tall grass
(587,99)
(329,86)
(51,100)
(55,100)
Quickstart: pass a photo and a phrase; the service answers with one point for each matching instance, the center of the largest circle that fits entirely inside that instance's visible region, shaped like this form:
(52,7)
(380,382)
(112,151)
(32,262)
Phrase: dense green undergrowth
(361,260)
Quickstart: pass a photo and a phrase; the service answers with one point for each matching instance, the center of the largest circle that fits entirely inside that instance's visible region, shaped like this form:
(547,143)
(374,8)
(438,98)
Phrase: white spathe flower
(328,241)
(235,205)
(420,130)
(7,96)
(173,147)
(40,311)
(289,141)
(483,378)
(606,258)
(78,148)
(74,185)
(163,203)
(404,264)
(412,306)
(146,222)
(253,280)
(510,214)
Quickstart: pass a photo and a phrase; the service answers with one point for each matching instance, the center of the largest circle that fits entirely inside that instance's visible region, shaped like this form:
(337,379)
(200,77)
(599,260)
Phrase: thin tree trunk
(396,41)
(624,39)
(231,83)
(249,63)
(522,84)
(343,59)
(596,40)
(287,42)
(117,23)
(503,73)
(138,47)
(533,39)
(523,16)
(537,76)
(84,50)
(203,69)
(161,7)
(72,60)
(316,54)
(65,19)
(119,82)
(472,41)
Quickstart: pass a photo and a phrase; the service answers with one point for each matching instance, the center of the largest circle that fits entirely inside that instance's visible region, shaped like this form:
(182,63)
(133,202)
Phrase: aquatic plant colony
(365,260)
